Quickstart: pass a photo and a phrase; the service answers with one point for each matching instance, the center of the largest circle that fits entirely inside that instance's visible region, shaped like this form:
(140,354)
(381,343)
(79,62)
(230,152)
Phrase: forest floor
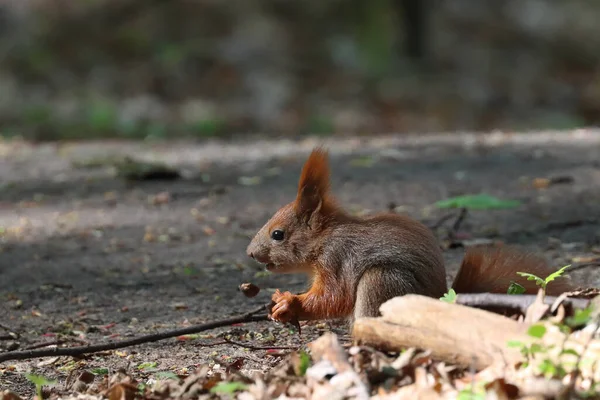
(87,257)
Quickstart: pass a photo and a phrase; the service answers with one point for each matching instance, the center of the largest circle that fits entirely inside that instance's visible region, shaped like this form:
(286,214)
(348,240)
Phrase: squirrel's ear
(313,186)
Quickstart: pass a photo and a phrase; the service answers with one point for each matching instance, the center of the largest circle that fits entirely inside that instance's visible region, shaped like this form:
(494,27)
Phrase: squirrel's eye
(277,235)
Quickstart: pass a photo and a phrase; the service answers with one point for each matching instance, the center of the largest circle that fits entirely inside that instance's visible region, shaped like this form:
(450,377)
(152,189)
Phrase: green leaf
(556,274)
(365,161)
(449,297)
(262,274)
(536,348)
(569,351)
(477,202)
(581,317)
(515,288)
(530,277)
(40,380)
(228,387)
(147,365)
(547,368)
(469,393)
(304,362)
(166,375)
(189,270)
(515,343)
(537,331)
(100,371)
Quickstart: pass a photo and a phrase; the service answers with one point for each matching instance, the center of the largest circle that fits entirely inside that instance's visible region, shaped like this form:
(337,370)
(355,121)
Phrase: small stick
(251,347)
(516,302)
(457,223)
(440,221)
(77,351)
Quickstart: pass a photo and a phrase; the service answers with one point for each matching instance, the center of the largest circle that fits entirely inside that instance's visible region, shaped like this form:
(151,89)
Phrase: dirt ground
(87,257)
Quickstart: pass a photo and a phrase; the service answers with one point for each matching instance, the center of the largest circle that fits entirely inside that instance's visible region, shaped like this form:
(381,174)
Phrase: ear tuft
(313,186)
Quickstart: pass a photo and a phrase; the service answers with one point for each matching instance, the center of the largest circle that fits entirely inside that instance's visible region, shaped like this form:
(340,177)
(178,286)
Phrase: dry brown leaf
(501,390)
(208,230)
(160,198)
(585,259)
(8,395)
(122,391)
(540,183)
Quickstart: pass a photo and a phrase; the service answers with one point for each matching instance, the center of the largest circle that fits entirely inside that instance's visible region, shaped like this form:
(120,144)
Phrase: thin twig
(441,221)
(252,347)
(515,302)
(78,351)
(457,223)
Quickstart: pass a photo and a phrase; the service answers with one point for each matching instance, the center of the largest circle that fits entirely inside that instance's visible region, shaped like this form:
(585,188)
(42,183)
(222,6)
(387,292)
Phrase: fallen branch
(493,301)
(78,351)
(454,333)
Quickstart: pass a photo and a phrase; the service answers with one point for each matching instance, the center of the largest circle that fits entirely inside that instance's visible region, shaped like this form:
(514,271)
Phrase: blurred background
(219,68)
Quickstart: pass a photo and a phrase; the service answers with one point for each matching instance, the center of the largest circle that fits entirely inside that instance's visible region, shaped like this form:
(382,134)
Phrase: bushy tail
(492,269)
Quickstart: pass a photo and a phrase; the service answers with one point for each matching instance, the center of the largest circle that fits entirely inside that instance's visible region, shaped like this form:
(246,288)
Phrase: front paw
(286,307)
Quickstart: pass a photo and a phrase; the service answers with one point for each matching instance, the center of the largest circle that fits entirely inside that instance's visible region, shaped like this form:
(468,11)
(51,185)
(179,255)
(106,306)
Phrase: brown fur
(356,264)
(492,269)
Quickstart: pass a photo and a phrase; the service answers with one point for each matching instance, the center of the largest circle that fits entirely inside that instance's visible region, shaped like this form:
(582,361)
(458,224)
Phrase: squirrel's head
(288,241)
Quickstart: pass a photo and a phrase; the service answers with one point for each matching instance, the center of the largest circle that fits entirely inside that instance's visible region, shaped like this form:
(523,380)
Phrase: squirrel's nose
(251,254)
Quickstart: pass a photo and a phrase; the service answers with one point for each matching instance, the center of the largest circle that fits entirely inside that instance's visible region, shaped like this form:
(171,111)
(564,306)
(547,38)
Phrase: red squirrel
(358,263)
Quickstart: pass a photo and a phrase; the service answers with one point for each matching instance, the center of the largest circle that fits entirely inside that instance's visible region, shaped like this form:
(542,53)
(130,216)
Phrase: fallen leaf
(249,180)
(121,391)
(477,202)
(365,162)
(160,198)
(540,183)
(584,259)
(180,306)
(208,230)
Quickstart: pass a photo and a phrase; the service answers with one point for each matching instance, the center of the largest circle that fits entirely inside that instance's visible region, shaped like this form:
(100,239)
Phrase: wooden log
(453,333)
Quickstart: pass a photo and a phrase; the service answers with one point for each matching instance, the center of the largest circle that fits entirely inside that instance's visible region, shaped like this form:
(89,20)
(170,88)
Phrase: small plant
(580,318)
(515,288)
(147,366)
(39,381)
(449,297)
(543,283)
(547,367)
(304,363)
(100,371)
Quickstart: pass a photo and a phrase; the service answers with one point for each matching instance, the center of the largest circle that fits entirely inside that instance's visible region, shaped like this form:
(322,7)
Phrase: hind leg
(376,286)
